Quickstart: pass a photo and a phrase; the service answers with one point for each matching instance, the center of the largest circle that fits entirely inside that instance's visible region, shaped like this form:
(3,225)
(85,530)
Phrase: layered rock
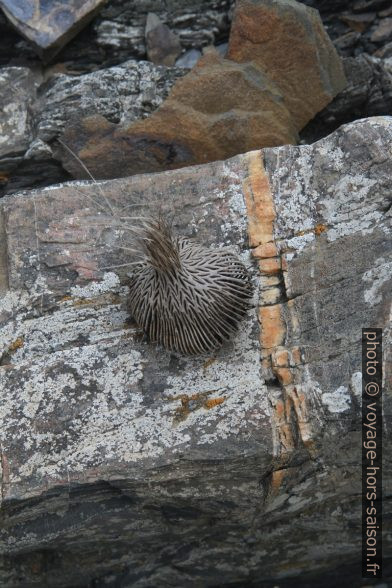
(258,96)
(38,110)
(123,464)
(368,93)
(49,25)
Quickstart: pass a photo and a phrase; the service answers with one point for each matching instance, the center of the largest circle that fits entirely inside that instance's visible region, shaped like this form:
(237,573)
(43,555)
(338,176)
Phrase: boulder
(124,464)
(257,96)
(163,46)
(368,93)
(37,108)
(50,25)
(287,40)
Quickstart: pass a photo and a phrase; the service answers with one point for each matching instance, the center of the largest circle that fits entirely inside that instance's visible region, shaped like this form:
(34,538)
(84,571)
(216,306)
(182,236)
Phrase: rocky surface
(125,465)
(47,24)
(118,33)
(38,110)
(163,46)
(368,93)
(257,96)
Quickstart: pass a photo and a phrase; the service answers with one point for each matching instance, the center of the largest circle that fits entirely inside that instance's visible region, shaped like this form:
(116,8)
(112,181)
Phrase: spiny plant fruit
(184,296)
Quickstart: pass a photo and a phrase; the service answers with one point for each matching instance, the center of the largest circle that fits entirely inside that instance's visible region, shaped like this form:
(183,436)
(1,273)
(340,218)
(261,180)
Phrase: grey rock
(189,58)
(125,465)
(122,93)
(222,49)
(48,24)
(121,30)
(163,46)
(385,51)
(18,86)
(382,32)
(368,93)
(347,40)
(36,112)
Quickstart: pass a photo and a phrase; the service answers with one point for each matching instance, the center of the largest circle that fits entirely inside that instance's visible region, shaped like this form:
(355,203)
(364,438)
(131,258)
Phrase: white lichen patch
(337,401)
(295,207)
(110,282)
(319,183)
(356,385)
(296,244)
(375,278)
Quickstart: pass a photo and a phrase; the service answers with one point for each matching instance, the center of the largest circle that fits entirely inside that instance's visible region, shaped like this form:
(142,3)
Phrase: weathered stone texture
(36,111)
(368,93)
(48,24)
(256,96)
(287,40)
(211,470)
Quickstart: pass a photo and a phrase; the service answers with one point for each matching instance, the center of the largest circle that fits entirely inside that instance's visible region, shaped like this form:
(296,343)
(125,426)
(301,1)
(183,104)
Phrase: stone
(287,41)
(359,22)
(18,86)
(188,59)
(123,464)
(383,31)
(122,94)
(38,111)
(368,93)
(227,105)
(386,12)
(163,46)
(222,49)
(366,5)
(347,41)
(385,52)
(47,24)
(120,31)
(192,126)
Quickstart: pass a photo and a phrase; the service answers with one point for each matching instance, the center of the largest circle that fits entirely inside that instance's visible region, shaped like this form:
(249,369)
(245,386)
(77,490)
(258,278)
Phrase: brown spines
(186,297)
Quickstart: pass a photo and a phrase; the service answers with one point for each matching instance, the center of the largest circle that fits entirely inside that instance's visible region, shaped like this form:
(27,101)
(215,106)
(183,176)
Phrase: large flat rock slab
(189,470)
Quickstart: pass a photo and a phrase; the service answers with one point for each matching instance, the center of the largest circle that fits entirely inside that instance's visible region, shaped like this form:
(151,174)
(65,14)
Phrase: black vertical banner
(372,453)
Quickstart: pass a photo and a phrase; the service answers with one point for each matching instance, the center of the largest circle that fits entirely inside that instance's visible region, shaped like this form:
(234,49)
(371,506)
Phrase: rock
(117,32)
(222,49)
(123,464)
(359,22)
(385,52)
(192,126)
(120,33)
(368,93)
(366,5)
(287,40)
(18,86)
(163,46)
(122,94)
(188,59)
(225,106)
(383,32)
(50,25)
(386,12)
(347,41)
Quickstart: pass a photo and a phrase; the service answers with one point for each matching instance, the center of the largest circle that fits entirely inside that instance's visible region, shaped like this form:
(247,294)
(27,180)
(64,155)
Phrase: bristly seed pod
(184,296)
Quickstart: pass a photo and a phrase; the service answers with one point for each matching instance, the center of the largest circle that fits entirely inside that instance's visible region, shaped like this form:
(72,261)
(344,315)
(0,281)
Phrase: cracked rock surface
(195,471)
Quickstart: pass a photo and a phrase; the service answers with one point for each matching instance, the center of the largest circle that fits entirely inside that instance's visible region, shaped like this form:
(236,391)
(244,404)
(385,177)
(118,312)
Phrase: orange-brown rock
(282,69)
(287,39)
(219,109)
